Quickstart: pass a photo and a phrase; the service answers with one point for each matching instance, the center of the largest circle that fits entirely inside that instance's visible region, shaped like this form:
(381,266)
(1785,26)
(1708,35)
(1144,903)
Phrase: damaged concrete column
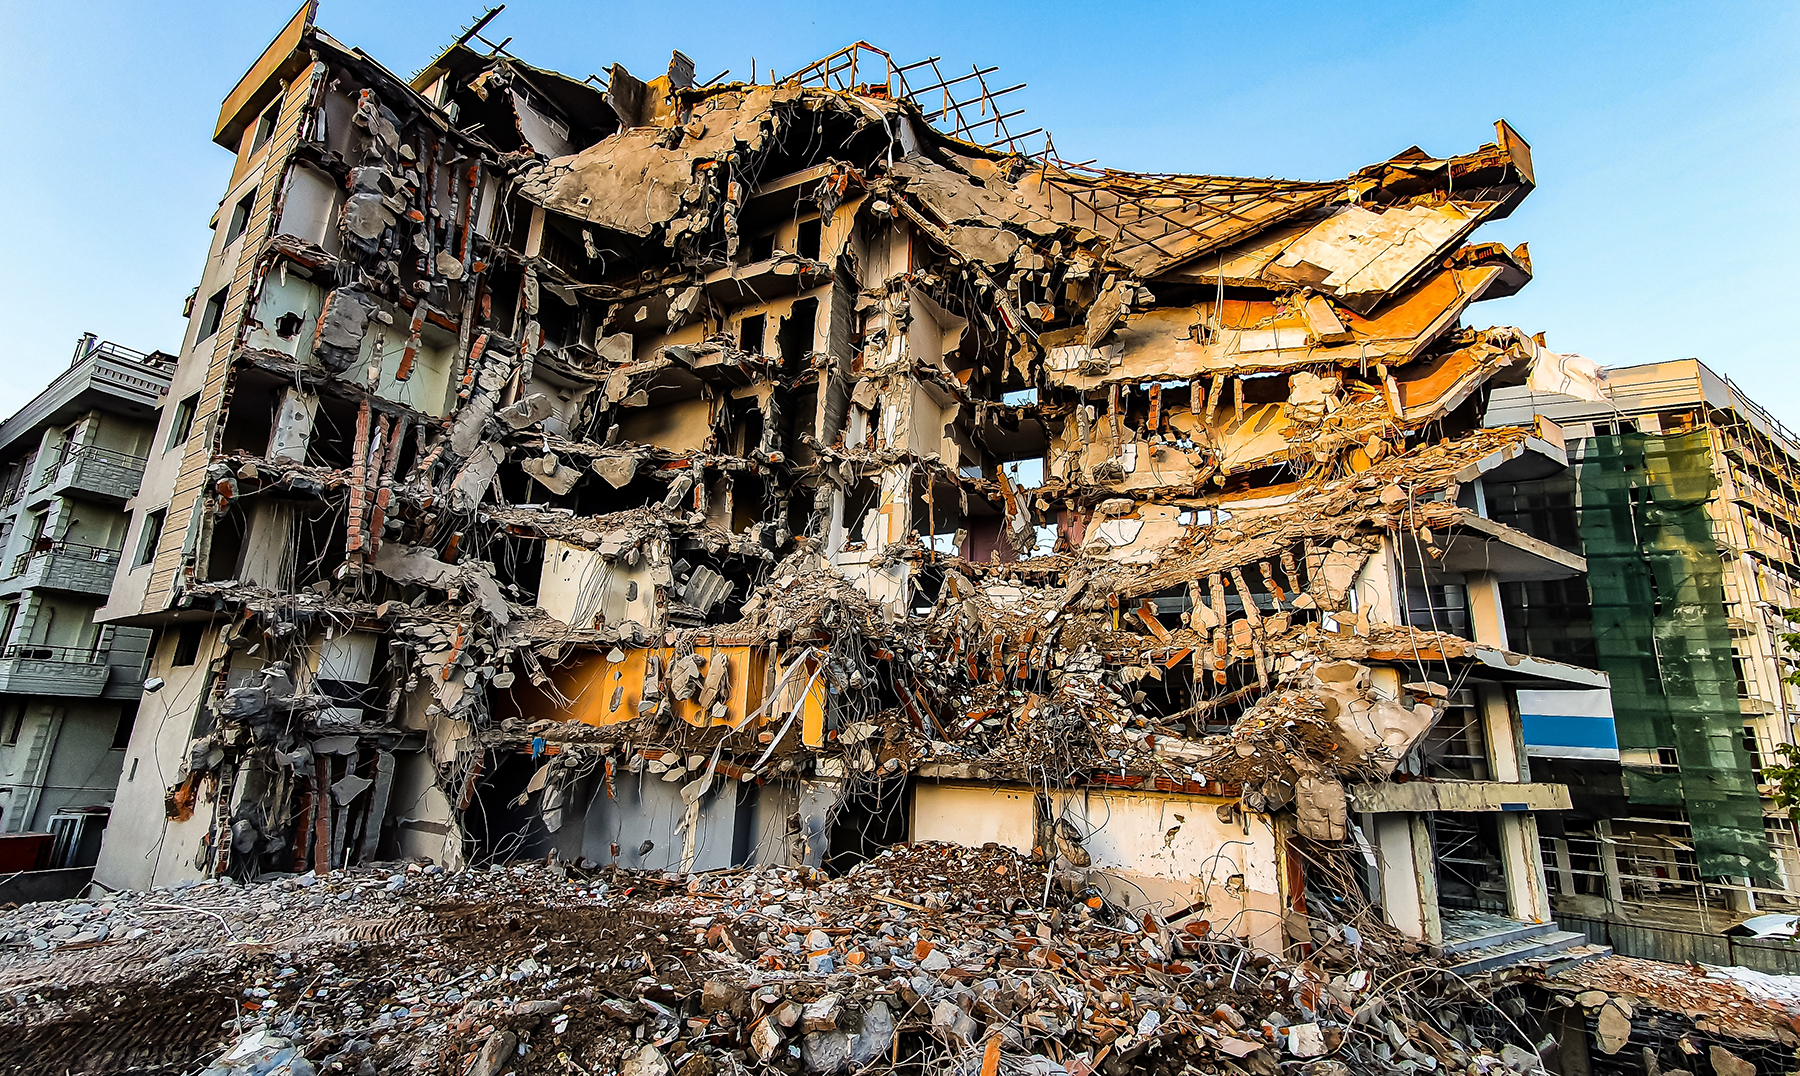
(810,827)
(268,559)
(1409,891)
(1376,592)
(293,425)
(1527,895)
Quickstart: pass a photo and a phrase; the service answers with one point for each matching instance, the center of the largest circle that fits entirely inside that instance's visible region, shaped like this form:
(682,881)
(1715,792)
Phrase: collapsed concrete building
(680,476)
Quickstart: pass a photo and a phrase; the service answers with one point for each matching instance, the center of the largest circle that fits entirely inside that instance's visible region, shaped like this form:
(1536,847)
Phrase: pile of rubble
(933,957)
(1668,1016)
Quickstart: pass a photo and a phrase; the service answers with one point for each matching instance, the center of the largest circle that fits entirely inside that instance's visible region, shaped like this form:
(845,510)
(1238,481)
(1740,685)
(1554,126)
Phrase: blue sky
(1665,135)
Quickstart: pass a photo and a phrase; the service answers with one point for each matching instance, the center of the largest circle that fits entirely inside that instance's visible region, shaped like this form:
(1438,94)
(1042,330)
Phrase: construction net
(1662,634)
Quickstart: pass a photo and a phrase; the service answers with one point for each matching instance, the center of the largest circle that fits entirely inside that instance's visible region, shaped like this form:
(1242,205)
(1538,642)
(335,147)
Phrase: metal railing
(99,469)
(102,454)
(73,655)
(1673,946)
(76,550)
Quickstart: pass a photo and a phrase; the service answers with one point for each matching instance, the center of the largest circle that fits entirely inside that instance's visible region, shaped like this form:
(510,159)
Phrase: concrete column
(293,425)
(1377,589)
(1384,682)
(1500,728)
(1565,868)
(1609,862)
(818,802)
(1487,620)
(1408,876)
(32,774)
(1527,896)
(25,627)
(1487,624)
(269,545)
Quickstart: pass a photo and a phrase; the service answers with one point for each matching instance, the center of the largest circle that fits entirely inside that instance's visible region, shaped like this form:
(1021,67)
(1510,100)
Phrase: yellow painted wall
(604,692)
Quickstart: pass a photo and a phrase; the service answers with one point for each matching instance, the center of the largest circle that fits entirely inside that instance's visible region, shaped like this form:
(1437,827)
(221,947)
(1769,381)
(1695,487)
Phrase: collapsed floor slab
(721,477)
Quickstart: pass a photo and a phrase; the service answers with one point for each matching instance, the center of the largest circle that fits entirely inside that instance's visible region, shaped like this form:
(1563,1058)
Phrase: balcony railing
(100,472)
(54,670)
(71,566)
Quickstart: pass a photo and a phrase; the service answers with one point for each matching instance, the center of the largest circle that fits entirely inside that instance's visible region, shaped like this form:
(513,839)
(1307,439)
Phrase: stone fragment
(822,1015)
(1726,1063)
(825,1051)
(495,1053)
(874,1040)
(765,1039)
(1305,1040)
(1611,1030)
(719,996)
(648,1061)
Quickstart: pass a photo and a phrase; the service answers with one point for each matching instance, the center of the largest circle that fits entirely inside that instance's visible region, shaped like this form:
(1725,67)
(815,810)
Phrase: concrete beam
(1417,796)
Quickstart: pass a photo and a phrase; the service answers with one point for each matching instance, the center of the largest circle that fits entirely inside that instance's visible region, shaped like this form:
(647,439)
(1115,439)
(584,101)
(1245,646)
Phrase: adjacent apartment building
(71,461)
(682,476)
(1684,496)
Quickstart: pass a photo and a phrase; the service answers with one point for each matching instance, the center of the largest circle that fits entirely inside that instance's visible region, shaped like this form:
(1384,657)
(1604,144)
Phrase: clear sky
(1665,135)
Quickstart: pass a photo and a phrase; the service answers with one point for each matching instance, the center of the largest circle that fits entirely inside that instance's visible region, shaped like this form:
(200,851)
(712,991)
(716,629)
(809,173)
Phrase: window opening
(153,528)
(187,644)
(213,314)
(184,421)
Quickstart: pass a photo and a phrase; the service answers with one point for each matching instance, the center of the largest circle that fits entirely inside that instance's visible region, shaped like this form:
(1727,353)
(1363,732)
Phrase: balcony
(98,473)
(104,375)
(65,566)
(54,670)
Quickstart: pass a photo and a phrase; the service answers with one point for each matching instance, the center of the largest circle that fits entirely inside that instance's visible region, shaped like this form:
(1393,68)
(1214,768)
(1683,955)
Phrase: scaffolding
(1662,634)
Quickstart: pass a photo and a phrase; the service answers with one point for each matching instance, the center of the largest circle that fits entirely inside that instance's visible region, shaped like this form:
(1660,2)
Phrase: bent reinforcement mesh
(1662,635)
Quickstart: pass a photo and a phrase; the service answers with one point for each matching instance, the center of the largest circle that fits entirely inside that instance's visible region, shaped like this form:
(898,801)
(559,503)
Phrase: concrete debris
(939,952)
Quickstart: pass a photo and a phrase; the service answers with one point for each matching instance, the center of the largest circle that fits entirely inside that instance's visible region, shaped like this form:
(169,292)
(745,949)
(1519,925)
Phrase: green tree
(1785,774)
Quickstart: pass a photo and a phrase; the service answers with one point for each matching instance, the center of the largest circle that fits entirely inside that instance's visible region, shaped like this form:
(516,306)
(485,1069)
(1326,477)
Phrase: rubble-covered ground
(928,957)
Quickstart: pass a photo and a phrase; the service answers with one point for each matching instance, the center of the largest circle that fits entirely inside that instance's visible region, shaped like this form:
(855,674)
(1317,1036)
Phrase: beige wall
(143,847)
(1151,850)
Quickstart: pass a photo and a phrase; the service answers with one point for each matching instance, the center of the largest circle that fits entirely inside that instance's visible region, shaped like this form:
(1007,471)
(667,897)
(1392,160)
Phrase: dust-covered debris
(923,956)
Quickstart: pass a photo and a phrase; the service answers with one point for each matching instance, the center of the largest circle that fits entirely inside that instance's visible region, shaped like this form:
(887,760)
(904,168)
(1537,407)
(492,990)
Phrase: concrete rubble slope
(924,957)
(753,478)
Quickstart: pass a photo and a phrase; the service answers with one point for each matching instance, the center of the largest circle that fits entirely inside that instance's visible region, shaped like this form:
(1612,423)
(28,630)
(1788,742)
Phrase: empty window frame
(240,217)
(750,333)
(212,315)
(806,239)
(183,425)
(187,644)
(122,731)
(265,125)
(150,537)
